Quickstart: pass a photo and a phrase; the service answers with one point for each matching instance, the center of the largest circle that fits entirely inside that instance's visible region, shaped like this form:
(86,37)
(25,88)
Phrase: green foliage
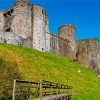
(28,64)
(8,72)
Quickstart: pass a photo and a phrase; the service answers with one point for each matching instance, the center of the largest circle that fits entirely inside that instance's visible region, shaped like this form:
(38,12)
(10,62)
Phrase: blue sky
(85,14)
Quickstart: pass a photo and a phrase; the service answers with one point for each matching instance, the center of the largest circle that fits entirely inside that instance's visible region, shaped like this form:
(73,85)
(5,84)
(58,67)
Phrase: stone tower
(67,32)
(30,22)
(40,29)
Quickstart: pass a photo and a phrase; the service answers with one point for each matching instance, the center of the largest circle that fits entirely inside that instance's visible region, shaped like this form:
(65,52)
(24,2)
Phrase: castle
(27,25)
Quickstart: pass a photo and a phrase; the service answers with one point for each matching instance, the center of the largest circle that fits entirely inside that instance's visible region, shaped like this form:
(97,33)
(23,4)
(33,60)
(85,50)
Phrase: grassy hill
(28,64)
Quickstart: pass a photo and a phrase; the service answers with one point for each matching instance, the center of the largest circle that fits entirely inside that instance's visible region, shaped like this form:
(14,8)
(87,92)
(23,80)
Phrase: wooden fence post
(40,90)
(61,92)
(57,91)
(50,91)
(14,89)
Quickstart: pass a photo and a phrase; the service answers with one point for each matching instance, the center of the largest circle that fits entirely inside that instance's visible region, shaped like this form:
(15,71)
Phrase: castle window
(43,12)
(5,41)
(8,13)
(8,30)
(12,10)
(5,15)
(46,22)
(42,49)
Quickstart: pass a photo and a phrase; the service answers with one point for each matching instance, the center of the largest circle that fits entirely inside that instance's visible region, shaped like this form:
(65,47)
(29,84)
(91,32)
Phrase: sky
(85,14)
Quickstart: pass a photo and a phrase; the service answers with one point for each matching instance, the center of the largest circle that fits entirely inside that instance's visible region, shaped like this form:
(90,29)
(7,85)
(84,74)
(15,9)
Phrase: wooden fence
(23,90)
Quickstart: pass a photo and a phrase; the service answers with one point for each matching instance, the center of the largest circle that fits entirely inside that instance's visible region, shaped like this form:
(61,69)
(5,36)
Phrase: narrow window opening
(12,10)
(5,41)
(8,30)
(42,49)
(42,11)
(46,22)
(5,15)
(8,13)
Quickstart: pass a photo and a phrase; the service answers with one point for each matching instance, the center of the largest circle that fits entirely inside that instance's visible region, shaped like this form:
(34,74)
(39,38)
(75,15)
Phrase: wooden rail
(53,91)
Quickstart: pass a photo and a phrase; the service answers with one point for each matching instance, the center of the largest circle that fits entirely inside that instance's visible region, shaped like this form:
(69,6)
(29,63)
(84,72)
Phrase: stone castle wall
(61,46)
(29,22)
(98,59)
(21,21)
(67,32)
(40,24)
(54,43)
(87,53)
(10,38)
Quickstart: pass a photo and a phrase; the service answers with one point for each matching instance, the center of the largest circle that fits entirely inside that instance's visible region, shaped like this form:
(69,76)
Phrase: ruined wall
(21,21)
(48,42)
(1,21)
(28,21)
(68,32)
(10,38)
(60,46)
(98,59)
(63,47)
(54,43)
(39,28)
(87,53)
(94,63)
(47,33)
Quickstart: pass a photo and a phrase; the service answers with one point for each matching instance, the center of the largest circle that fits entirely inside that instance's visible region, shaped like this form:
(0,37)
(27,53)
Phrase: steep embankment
(28,64)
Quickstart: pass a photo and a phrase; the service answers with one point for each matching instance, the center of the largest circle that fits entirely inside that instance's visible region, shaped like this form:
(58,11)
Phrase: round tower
(68,33)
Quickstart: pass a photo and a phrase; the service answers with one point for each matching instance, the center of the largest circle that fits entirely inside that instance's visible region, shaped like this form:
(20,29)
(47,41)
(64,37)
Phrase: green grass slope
(17,62)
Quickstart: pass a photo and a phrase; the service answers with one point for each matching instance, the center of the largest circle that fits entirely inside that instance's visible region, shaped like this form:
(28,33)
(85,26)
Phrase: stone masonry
(88,53)
(67,32)
(30,23)
(26,24)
